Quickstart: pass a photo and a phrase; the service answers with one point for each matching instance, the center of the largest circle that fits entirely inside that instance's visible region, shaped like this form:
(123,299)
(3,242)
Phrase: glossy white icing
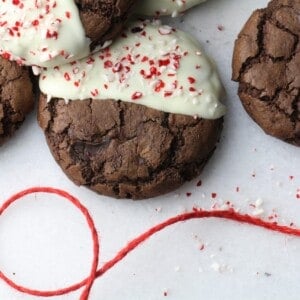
(149,64)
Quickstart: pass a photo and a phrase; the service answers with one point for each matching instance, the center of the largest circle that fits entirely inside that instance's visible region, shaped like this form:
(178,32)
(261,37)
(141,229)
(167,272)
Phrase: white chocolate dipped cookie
(149,64)
(144,115)
(165,7)
(49,33)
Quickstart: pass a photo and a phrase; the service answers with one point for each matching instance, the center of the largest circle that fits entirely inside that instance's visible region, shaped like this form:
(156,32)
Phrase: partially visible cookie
(16,97)
(143,116)
(51,33)
(266,63)
(165,7)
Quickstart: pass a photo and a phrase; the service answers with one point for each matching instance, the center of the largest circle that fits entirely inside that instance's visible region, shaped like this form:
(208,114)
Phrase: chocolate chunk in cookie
(126,150)
(16,98)
(266,63)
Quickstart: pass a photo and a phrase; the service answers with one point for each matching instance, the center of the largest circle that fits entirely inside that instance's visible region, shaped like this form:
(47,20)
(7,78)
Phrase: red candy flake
(90,60)
(159,86)
(117,67)
(35,22)
(151,62)
(67,76)
(108,64)
(163,62)
(136,96)
(168,94)
(214,195)
(191,80)
(6,55)
(145,58)
(68,14)
(52,34)
(95,92)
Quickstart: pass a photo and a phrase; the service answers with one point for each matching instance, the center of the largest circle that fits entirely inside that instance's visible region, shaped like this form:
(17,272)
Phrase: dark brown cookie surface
(16,98)
(103,19)
(266,63)
(126,150)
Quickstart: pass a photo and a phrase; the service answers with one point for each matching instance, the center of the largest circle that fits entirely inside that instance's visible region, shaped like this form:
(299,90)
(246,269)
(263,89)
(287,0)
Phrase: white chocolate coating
(165,7)
(150,64)
(41,32)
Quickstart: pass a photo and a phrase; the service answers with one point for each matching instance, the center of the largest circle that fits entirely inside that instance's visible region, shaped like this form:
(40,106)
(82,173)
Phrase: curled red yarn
(94,273)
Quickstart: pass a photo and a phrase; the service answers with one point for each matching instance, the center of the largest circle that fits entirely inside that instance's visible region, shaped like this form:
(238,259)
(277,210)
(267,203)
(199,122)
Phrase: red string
(94,273)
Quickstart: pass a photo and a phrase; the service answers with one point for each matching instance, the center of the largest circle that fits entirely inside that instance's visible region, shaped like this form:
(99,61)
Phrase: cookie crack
(52,113)
(257,93)
(260,43)
(296,107)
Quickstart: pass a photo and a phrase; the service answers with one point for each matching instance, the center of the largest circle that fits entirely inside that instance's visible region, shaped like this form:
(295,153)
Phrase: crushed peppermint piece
(214,195)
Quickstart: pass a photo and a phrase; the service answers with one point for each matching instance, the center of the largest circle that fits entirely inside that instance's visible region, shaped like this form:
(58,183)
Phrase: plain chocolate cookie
(126,150)
(266,63)
(103,19)
(16,98)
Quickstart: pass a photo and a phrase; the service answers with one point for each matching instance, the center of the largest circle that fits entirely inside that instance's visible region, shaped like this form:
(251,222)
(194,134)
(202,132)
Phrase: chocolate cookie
(266,63)
(144,115)
(16,98)
(51,33)
(126,150)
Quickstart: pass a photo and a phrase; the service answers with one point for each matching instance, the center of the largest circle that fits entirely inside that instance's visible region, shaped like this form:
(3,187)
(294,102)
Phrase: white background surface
(44,243)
